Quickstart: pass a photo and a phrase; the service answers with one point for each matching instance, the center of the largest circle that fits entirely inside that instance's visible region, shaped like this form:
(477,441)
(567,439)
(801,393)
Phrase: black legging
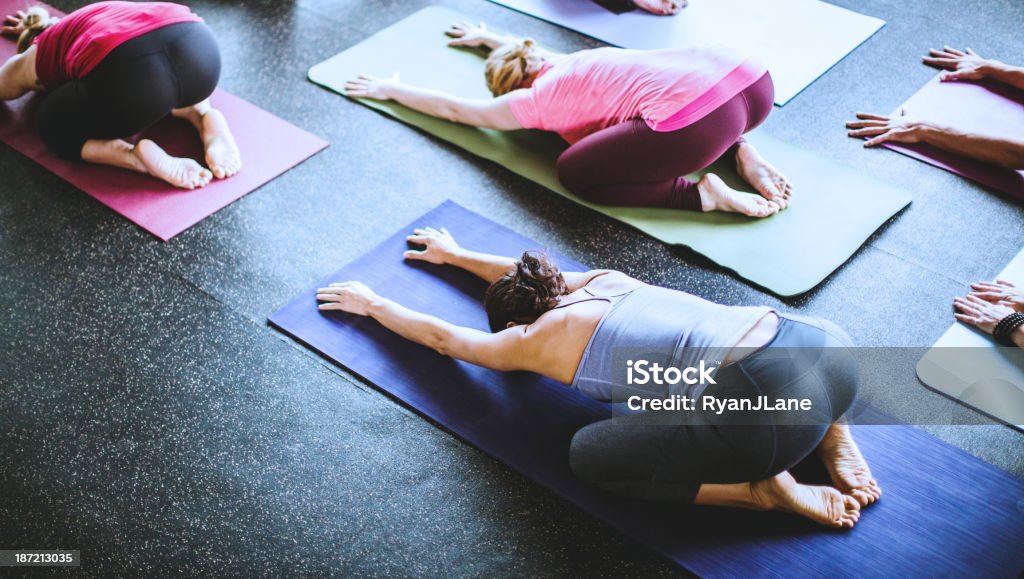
(630,456)
(135,86)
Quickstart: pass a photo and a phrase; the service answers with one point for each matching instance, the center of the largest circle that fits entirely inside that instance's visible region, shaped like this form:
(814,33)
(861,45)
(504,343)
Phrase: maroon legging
(631,164)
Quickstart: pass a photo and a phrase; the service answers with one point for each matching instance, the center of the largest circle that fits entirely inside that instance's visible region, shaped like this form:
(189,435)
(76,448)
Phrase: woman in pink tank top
(637,122)
(112,69)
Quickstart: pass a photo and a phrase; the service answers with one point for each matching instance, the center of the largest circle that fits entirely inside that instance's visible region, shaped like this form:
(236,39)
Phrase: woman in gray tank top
(764,389)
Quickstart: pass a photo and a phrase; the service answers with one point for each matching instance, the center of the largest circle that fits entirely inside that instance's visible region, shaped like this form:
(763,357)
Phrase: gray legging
(629,456)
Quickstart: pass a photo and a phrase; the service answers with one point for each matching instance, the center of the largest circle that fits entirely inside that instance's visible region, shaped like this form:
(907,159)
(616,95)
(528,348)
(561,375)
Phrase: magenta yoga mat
(988,108)
(270,146)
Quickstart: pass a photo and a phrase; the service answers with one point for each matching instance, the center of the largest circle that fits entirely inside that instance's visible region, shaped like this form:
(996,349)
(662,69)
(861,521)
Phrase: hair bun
(521,296)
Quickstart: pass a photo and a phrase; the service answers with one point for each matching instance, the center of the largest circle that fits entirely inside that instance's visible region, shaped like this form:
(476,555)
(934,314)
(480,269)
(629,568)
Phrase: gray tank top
(663,326)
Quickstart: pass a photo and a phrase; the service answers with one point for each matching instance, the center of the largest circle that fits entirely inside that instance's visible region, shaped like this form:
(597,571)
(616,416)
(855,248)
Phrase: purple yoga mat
(945,513)
(986,107)
(270,146)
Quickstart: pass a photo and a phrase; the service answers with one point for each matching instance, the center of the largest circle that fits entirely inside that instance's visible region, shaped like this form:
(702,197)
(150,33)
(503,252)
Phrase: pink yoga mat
(986,107)
(270,146)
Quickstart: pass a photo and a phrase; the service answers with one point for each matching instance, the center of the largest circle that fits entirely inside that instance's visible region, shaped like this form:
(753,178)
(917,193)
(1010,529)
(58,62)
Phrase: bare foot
(847,467)
(661,7)
(222,154)
(182,173)
(715,195)
(824,505)
(762,175)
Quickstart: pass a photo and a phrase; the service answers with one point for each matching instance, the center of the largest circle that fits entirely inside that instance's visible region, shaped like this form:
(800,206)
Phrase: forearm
(425,330)
(1000,151)
(427,101)
(1008,75)
(485,266)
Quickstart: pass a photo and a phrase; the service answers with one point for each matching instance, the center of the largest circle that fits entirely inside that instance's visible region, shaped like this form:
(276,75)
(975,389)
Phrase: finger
(868,132)
(966,308)
(971,51)
(420,239)
(971,320)
(987,285)
(864,124)
(1004,283)
(989,296)
(938,62)
(445,232)
(953,51)
(883,138)
(325,297)
(872,116)
(413,254)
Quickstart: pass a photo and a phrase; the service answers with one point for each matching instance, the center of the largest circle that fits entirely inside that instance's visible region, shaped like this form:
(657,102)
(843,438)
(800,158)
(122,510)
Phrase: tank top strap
(610,298)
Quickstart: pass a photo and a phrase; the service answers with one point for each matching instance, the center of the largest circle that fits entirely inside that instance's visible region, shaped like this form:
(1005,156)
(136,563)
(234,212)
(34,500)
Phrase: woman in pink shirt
(112,69)
(637,121)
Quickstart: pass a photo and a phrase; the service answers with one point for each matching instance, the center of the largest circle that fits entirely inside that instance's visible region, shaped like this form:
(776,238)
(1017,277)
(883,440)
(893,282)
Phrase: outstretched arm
(440,247)
(503,351)
(968,65)
(1002,151)
(478,36)
(484,113)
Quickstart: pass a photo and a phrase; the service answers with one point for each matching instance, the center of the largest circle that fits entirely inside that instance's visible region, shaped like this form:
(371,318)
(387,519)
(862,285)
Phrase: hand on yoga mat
(438,245)
(352,297)
(661,7)
(960,65)
(372,87)
(1000,292)
(979,313)
(884,129)
(14,24)
(469,35)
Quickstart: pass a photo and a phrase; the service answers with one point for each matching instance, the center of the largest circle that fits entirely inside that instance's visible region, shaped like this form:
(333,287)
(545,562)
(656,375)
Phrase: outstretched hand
(439,245)
(883,129)
(351,296)
(14,24)
(661,7)
(468,35)
(1000,292)
(372,87)
(979,313)
(959,65)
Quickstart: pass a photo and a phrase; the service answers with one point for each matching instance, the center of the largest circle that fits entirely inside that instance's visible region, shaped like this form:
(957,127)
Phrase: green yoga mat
(970,367)
(835,209)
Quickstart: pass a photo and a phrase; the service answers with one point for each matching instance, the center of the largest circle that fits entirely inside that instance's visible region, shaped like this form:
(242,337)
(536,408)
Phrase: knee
(585,457)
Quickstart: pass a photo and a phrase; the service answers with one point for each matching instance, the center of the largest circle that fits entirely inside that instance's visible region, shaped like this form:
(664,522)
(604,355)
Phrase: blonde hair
(510,67)
(37,19)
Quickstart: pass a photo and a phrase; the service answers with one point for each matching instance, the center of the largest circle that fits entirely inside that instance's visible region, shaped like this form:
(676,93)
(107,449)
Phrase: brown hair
(37,20)
(521,296)
(509,67)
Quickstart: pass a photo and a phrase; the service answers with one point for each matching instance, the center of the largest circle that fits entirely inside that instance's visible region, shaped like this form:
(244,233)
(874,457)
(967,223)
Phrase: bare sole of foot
(715,195)
(181,173)
(823,505)
(846,465)
(762,175)
(222,154)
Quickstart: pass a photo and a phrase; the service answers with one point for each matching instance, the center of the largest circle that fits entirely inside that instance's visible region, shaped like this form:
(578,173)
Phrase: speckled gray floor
(150,418)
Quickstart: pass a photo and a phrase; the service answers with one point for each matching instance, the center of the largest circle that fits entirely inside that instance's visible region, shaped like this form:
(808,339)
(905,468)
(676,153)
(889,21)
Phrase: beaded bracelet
(1003,332)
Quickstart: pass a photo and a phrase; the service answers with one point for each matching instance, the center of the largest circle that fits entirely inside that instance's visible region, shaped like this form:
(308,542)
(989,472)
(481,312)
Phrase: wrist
(376,305)
(993,69)
(1018,337)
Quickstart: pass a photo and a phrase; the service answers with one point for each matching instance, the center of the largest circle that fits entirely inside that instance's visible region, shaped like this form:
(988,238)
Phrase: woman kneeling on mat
(568,326)
(637,121)
(112,69)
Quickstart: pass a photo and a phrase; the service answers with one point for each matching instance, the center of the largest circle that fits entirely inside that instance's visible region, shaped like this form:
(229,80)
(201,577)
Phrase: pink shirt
(71,48)
(581,93)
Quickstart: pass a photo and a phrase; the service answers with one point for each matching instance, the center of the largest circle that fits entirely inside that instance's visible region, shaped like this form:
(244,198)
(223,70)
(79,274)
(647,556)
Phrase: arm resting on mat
(1002,151)
(512,349)
(483,113)
(967,65)
(441,248)
(469,36)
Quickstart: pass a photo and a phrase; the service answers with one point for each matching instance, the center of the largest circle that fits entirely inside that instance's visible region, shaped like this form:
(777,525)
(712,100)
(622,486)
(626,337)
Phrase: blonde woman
(110,70)
(637,121)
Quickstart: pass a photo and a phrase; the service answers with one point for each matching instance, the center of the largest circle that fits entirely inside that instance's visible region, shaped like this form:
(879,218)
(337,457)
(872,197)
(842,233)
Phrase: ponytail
(510,67)
(37,19)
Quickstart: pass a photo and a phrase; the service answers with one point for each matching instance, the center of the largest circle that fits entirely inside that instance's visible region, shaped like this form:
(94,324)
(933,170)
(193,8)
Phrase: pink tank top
(581,93)
(77,43)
